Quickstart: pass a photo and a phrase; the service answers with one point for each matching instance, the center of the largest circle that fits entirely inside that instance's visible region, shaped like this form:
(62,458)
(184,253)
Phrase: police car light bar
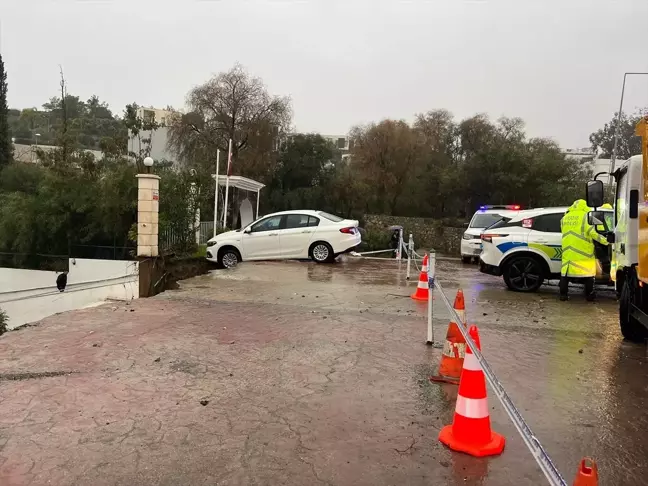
(514,207)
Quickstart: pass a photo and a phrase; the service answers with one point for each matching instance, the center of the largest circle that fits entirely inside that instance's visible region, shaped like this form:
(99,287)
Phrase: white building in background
(592,160)
(158,138)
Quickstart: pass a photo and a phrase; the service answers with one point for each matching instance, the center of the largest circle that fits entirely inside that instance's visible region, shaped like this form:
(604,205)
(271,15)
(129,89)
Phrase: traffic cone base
(492,448)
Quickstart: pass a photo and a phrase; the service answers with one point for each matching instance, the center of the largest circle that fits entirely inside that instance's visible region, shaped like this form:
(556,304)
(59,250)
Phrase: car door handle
(306,231)
(273,234)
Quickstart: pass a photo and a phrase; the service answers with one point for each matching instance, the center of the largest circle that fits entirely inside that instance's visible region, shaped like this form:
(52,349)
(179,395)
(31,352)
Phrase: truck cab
(628,238)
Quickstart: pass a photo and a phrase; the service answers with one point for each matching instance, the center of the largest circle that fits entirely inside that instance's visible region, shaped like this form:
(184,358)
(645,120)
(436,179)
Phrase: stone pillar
(148,195)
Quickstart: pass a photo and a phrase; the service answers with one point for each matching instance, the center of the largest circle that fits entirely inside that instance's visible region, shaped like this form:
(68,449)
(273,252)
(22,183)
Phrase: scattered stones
(95,345)
(580,351)
(132,310)
(484,314)
(156,360)
(204,402)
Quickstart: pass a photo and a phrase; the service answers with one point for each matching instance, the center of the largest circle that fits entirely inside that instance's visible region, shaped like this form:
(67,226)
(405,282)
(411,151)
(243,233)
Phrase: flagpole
(229,166)
(216,193)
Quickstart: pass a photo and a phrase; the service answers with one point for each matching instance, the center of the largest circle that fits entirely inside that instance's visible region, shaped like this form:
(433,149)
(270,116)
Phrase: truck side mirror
(597,219)
(595,194)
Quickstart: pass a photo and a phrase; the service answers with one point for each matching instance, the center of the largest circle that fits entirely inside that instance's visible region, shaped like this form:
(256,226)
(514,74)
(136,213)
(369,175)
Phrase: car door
(296,235)
(261,241)
(546,237)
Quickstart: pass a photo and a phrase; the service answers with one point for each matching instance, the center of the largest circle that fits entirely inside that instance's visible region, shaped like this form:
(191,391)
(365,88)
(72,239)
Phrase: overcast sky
(558,64)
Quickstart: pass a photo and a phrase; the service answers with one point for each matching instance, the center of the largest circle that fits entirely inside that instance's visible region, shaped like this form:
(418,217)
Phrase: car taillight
(489,236)
(351,230)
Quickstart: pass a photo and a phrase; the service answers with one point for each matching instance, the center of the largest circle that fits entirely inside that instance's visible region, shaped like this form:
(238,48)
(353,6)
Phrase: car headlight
(210,243)
(466,236)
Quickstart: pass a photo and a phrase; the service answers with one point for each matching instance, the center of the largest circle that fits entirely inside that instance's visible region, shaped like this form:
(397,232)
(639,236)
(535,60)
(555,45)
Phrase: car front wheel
(322,252)
(523,274)
(228,258)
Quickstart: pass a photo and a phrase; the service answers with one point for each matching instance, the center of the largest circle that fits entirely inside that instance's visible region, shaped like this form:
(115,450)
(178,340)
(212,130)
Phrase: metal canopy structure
(239,182)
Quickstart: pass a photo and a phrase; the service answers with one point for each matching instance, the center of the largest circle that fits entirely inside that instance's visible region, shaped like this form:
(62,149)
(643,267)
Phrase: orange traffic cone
(587,474)
(422,290)
(470,431)
(454,348)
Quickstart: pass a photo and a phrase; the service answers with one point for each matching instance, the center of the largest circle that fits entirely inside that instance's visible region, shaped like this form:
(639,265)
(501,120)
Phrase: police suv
(526,249)
(484,217)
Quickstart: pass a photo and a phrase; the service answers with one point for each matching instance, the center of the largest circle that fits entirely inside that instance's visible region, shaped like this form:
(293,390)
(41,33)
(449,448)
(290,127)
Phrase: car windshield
(331,217)
(484,220)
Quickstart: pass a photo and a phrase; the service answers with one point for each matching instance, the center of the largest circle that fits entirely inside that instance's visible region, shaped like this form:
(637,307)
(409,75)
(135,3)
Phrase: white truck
(628,237)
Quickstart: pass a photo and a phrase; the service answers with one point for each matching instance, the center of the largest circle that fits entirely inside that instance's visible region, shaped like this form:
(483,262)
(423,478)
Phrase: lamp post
(148,163)
(616,129)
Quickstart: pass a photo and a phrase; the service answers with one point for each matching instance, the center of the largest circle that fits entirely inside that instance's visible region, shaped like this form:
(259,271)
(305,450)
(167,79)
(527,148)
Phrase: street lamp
(616,129)
(37,135)
(148,162)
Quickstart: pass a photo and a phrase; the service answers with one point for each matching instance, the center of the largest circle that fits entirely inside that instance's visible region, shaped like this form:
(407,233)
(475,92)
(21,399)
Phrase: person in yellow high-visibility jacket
(578,259)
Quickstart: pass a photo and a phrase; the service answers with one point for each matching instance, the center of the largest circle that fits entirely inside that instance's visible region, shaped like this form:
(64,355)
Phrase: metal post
(229,164)
(410,247)
(216,193)
(431,270)
(616,129)
(399,252)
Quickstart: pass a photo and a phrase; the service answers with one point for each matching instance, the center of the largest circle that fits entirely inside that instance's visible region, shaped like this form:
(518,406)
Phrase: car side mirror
(247,231)
(595,194)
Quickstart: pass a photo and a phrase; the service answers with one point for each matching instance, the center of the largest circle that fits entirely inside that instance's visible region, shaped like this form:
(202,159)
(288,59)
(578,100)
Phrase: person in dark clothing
(395,240)
(61,281)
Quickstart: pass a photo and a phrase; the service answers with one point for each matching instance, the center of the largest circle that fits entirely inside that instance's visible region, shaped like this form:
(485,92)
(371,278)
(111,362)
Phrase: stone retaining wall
(428,233)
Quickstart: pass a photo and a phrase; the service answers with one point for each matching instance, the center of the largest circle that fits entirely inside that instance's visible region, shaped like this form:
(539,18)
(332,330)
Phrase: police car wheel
(523,274)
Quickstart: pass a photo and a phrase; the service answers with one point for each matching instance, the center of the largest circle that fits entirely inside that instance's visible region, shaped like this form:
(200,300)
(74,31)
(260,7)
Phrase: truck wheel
(523,274)
(631,328)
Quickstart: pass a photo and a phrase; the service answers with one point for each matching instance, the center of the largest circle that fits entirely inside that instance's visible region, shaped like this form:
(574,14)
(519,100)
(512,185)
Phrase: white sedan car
(288,234)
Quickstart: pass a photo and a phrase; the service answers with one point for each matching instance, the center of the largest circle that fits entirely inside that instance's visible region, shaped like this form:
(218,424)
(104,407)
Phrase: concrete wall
(30,295)
(428,233)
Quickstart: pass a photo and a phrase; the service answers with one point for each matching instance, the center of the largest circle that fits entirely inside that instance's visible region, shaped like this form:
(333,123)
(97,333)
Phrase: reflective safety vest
(578,258)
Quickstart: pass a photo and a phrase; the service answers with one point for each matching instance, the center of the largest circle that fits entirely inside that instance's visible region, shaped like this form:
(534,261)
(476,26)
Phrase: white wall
(30,295)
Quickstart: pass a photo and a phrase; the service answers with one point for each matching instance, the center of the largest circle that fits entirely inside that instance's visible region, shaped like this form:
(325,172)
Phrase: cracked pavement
(289,373)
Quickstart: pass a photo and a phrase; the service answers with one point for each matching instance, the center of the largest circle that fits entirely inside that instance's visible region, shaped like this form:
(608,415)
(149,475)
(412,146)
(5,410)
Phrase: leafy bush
(373,240)
(4,320)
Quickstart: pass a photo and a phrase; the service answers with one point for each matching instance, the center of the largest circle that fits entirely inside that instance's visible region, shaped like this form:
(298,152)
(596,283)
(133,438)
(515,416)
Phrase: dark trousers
(587,281)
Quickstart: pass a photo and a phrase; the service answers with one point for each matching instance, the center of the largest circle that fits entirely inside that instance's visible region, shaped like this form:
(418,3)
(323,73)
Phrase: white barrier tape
(539,454)
(376,251)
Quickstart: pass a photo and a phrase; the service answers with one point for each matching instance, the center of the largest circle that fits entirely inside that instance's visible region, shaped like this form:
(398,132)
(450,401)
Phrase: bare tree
(232,105)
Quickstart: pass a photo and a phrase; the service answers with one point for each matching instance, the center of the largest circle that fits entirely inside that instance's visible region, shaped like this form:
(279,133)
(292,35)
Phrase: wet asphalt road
(580,387)
(294,373)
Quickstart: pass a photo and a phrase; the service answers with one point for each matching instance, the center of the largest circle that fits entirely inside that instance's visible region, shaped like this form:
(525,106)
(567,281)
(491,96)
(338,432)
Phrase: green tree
(628,144)
(6,145)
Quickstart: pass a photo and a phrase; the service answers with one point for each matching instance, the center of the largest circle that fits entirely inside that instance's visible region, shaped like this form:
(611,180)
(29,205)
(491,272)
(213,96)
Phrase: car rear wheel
(466,259)
(322,252)
(228,257)
(524,274)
